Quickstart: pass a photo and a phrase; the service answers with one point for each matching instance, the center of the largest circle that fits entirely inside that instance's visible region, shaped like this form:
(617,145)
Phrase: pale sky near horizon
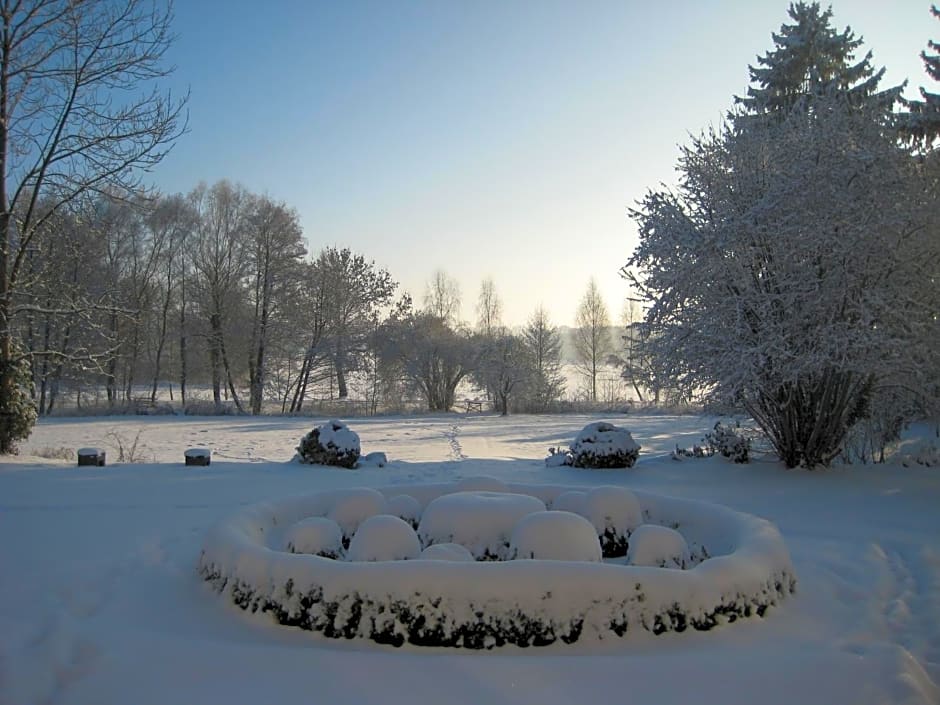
(487,139)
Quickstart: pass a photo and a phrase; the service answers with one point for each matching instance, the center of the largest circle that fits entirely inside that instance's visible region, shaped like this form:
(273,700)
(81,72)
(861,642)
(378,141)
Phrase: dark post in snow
(91,456)
(198,456)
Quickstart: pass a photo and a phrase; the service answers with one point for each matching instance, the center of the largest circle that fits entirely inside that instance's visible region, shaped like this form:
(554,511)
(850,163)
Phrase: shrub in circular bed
(332,443)
(354,506)
(615,512)
(406,507)
(739,568)
(384,538)
(315,535)
(658,546)
(555,536)
(480,521)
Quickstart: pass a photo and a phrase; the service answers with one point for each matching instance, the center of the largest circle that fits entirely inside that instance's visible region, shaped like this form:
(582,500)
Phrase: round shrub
(572,501)
(658,546)
(481,483)
(354,506)
(316,535)
(603,445)
(384,538)
(480,521)
(330,444)
(447,552)
(555,536)
(406,507)
(614,512)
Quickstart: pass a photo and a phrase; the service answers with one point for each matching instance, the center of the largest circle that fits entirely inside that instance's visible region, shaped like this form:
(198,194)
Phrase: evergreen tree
(542,341)
(812,59)
(922,124)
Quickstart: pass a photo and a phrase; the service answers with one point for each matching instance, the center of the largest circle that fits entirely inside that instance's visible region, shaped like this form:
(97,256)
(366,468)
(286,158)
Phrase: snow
(100,603)
(555,536)
(653,545)
(479,520)
(384,538)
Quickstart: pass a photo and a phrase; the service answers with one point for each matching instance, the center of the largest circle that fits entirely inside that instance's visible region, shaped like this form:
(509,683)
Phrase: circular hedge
(738,567)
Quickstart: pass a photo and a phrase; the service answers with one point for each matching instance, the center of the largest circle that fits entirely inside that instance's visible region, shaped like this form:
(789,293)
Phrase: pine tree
(812,59)
(922,124)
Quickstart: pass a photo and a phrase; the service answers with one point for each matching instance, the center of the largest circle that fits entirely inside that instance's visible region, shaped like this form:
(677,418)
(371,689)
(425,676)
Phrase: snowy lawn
(100,601)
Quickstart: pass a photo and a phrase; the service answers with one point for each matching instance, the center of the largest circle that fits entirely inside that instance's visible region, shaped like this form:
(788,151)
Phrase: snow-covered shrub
(406,507)
(480,521)
(384,538)
(447,552)
(330,444)
(924,453)
(729,442)
(555,536)
(376,459)
(693,452)
(472,604)
(20,412)
(315,535)
(572,501)
(615,512)
(353,506)
(598,445)
(658,546)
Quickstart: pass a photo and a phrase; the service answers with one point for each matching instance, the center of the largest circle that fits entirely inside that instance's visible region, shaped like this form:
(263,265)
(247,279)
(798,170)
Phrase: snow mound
(406,507)
(555,536)
(480,521)
(447,552)
(743,569)
(384,538)
(332,443)
(317,535)
(376,459)
(614,512)
(658,546)
(354,506)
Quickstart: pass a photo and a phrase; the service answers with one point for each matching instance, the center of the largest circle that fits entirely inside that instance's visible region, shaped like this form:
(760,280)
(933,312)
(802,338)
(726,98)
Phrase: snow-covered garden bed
(383,587)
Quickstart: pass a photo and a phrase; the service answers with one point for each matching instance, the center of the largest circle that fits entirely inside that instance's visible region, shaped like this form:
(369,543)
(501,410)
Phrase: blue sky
(501,139)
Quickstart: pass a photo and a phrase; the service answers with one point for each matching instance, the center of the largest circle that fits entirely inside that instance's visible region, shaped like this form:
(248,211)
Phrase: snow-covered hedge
(598,445)
(738,567)
(332,443)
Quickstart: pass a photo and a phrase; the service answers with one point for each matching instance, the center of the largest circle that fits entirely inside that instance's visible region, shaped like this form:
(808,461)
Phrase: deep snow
(100,601)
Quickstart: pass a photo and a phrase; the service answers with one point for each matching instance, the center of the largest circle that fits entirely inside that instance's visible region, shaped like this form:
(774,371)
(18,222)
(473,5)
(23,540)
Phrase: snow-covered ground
(100,601)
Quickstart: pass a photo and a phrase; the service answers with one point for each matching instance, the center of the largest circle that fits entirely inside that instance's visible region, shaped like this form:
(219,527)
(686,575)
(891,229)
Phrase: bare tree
(489,310)
(80,111)
(442,298)
(592,335)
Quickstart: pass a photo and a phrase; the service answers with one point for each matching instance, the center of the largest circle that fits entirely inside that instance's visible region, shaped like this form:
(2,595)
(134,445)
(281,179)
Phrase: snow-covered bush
(315,535)
(572,501)
(20,413)
(924,453)
(598,445)
(330,444)
(384,538)
(729,442)
(658,546)
(480,521)
(555,536)
(615,512)
(406,507)
(481,483)
(447,552)
(693,452)
(354,506)
(740,567)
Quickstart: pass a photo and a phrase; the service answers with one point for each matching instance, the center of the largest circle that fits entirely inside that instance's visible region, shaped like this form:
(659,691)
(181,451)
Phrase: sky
(485,139)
